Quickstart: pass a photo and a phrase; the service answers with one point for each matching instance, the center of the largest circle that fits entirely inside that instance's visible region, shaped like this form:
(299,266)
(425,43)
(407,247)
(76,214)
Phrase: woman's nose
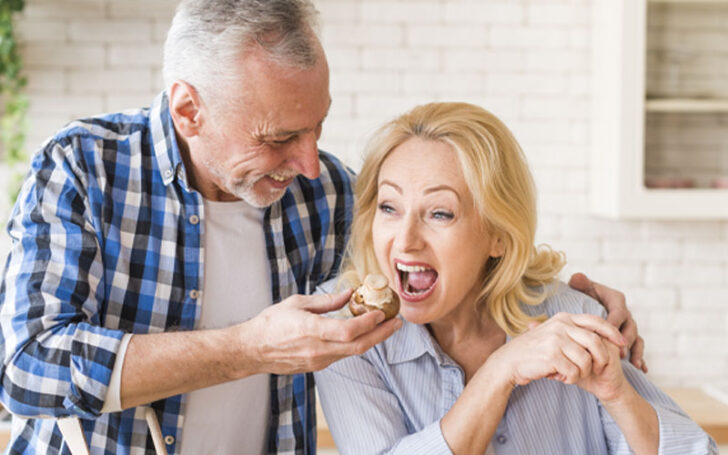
(409,234)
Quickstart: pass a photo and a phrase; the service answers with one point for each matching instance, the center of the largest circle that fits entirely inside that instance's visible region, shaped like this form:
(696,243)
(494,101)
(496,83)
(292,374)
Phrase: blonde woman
(495,354)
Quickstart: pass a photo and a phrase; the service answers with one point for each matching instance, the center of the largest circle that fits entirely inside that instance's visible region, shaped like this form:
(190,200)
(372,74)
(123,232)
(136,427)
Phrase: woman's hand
(567,347)
(610,384)
(618,314)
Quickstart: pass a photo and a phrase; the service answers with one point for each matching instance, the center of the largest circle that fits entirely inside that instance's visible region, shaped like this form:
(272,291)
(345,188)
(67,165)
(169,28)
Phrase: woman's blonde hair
(498,177)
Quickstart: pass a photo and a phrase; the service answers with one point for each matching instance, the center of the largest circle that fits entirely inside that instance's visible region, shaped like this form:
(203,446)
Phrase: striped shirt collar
(413,341)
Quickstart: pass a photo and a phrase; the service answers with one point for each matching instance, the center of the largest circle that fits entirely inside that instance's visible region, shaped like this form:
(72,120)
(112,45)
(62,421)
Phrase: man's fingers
(323,303)
(636,354)
(582,283)
(376,336)
(347,330)
(613,300)
(629,332)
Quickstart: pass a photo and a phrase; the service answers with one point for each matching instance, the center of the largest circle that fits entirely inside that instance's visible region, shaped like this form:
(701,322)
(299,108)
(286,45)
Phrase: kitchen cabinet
(660,109)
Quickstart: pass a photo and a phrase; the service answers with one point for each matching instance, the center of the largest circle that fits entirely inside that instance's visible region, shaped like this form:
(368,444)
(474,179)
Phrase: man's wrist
(243,350)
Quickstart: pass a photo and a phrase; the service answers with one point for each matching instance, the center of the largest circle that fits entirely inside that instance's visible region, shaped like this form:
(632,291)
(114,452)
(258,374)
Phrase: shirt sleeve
(679,435)
(112,403)
(57,358)
(365,417)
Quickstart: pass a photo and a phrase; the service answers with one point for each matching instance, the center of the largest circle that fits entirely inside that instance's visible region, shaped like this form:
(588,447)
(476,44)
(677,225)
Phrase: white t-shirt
(232,417)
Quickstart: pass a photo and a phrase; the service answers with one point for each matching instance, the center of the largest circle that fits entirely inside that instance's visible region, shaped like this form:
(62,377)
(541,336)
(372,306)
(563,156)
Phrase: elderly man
(181,224)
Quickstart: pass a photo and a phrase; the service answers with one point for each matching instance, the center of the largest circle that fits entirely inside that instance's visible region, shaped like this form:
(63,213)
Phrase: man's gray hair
(207,37)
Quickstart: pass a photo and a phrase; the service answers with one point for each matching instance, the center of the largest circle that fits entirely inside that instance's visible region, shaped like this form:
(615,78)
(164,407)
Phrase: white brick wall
(527,61)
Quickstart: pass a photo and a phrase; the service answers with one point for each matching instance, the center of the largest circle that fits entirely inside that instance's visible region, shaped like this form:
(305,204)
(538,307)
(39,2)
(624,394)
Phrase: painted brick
(81,105)
(556,60)
(138,9)
(40,30)
(337,11)
(643,298)
(365,82)
(705,298)
(632,250)
(400,59)
(527,83)
(159,30)
(556,14)
(53,57)
(495,12)
(543,107)
(110,31)
(45,81)
(104,81)
(593,227)
(705,252)
(484,60)
(444,84)
(362,35)
(118,103)
(65,9)
(677,230)
(343,58)
(577,250)
(384,12)
(438,36)
(137,56)
(683,275)
(531,37)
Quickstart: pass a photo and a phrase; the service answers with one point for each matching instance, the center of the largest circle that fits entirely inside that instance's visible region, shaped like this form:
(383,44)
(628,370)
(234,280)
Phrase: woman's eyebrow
(436,188)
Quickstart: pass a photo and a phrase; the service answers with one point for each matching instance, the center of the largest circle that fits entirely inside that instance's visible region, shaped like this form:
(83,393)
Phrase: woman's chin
(414,313)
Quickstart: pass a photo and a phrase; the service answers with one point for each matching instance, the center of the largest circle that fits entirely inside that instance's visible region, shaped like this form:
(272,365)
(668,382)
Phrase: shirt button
(169,439)
(168,173)
(194,219)
(194,294)
(501,439)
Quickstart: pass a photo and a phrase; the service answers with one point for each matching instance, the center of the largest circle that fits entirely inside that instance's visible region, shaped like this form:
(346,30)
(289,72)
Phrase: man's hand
(293,336)
(617,314)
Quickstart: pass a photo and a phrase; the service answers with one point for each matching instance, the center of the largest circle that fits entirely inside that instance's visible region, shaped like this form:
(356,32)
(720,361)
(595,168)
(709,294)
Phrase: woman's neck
(468,338)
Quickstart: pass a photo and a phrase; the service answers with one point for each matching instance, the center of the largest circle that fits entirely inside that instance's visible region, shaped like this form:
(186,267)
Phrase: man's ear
(185,108)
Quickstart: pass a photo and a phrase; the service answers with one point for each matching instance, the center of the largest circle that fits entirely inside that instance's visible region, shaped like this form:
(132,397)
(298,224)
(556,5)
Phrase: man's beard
(244,188)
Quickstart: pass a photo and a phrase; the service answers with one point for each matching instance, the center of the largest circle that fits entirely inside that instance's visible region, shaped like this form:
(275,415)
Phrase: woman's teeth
(410,268)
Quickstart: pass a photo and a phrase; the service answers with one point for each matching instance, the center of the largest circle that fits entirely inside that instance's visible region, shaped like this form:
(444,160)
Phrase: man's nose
(304,156)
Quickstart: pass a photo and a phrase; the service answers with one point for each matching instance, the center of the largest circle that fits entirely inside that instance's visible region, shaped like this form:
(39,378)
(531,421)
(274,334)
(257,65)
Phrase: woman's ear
(497,247)
(185,108)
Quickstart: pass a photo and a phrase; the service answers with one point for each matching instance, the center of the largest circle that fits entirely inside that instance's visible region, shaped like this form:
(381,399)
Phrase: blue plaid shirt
(106,242)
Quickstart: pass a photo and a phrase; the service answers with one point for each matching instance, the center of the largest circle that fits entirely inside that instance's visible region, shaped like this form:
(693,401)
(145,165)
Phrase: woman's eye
(442,215)
(385,208)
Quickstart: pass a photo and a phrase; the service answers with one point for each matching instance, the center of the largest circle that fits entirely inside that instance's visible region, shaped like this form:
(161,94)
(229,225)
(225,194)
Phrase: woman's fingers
(597,325)
(579,357)
(593,344)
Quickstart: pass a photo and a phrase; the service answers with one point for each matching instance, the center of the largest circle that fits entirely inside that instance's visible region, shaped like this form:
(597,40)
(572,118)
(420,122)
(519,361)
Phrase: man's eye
(284,141)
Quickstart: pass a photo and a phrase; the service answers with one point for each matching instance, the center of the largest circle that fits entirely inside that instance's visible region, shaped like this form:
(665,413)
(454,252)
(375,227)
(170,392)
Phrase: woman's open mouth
(415,281)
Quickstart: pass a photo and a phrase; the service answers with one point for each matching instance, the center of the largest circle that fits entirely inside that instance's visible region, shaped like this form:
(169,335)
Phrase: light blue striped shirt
(391,400)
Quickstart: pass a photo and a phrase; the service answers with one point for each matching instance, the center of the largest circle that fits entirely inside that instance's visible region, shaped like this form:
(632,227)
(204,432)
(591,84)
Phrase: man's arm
(57,359)
(618,314)
(286,338)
